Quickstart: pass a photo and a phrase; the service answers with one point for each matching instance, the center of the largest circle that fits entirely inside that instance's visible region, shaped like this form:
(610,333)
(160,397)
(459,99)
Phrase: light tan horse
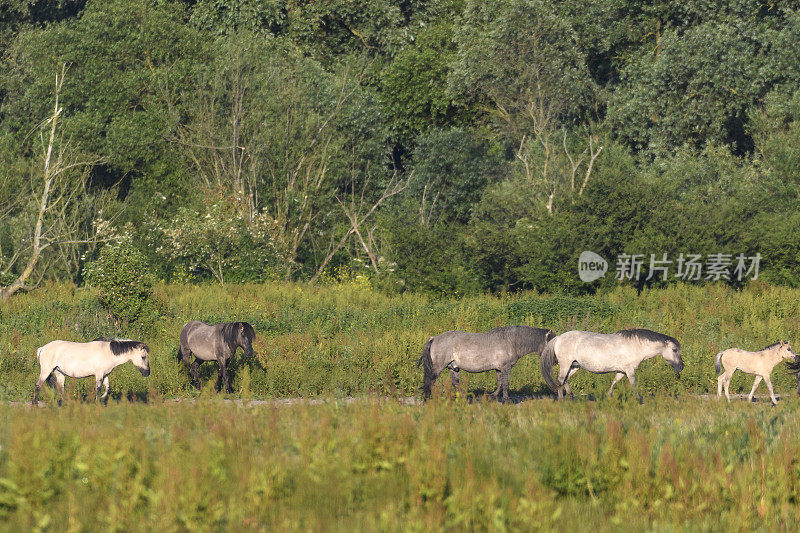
(758,363)
(59,359)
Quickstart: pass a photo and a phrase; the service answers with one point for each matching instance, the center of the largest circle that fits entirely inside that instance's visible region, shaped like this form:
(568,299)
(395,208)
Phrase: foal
(758,363)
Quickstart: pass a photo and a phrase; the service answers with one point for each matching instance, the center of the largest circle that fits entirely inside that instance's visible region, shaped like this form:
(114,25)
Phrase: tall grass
(346,339)
(691,464)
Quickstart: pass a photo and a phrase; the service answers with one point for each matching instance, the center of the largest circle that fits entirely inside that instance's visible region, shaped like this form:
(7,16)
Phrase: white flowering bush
(221,238)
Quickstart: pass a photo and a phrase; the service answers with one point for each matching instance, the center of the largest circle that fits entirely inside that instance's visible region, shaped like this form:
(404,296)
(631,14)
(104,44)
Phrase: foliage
(682,463)
(124,284)
(549,310)
(347,338)
(218,237)
(700,84)
(527,131)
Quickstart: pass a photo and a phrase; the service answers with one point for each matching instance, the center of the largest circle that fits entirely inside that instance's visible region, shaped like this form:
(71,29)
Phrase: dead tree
(358,210)
(55,194)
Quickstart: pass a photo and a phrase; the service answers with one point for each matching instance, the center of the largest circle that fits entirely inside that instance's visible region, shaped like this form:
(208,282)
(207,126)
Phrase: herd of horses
(498,349)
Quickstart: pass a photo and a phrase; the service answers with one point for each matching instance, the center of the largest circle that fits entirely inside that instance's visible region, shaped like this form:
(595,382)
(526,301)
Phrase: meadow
(162,456)
(669,464)
(347,339)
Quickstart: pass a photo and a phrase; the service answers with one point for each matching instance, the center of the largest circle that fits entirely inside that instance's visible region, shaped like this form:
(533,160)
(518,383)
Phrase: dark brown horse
(214,343)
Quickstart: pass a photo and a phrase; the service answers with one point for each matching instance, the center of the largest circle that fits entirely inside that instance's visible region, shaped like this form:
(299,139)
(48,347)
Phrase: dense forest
(447,146)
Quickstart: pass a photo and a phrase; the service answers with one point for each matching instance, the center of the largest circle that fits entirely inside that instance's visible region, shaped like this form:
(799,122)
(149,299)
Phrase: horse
(619,352)
(794,368)
(59,359)
(498,349)
(759,363)
(214,343)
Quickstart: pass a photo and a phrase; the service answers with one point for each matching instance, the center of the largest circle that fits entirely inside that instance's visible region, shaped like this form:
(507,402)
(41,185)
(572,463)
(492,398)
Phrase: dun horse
(497,349)
(214,343)
(59,359)
(619,352)
(758,363)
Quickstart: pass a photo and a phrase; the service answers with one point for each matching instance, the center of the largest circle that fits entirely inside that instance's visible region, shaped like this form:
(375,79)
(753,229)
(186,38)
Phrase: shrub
(124,283)
(551,310)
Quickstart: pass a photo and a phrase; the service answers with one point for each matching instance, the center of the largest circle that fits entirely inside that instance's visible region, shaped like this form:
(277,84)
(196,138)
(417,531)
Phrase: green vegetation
(343,339)
(438,146)
(683,463)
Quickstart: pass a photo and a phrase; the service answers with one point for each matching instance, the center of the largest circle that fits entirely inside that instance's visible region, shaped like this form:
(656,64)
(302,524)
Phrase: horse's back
(72,357)
(201,339)
(193,325)
(473,352)
(596,352)
(746,361)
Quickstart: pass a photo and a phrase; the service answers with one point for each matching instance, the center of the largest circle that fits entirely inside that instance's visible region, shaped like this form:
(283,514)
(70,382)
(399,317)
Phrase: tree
(701,85)
(56,187)
(522,62)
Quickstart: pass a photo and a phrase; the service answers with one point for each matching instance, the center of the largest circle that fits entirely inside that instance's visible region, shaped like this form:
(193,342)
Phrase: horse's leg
(194,373)
(60,380)
(98,384)
(499,388)
(39,382)
(798,383)
(107,387)
(567,388)
(226,378)
(563,373)
(632,380)
(222,377)
(769,388)
(456,379)
(720,380)
(727,382)
(505,378)
(618,377)
(36,391)
(755,386)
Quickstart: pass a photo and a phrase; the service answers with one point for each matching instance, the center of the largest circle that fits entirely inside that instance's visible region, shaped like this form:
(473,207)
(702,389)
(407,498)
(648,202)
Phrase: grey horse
(794,367)
(619,352)
(498,349)
(214,343)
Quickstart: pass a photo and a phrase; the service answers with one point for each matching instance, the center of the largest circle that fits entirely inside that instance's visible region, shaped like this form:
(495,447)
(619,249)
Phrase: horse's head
(246,335)
(785,351)
(140,357)
(672,355)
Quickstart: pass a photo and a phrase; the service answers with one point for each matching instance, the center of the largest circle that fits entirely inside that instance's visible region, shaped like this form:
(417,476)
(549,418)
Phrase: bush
(124,283)
(551,310)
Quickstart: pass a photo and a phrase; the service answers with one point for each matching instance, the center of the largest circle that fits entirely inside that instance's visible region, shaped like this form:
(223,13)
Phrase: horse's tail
(427,366)
(51,379)
(718,363)
(547,363)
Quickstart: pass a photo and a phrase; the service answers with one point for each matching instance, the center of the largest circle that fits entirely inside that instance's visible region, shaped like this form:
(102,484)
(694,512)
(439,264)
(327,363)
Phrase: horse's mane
(230,336)
(773,345)
(121,346)
(647,335)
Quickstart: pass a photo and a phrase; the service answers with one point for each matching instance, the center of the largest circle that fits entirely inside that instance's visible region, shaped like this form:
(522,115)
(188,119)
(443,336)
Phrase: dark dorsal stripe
(121,346)
(647,335)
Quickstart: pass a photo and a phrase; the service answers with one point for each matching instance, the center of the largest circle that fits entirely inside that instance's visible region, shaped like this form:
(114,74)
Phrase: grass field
(347,339)
(688,463)
(146,462)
